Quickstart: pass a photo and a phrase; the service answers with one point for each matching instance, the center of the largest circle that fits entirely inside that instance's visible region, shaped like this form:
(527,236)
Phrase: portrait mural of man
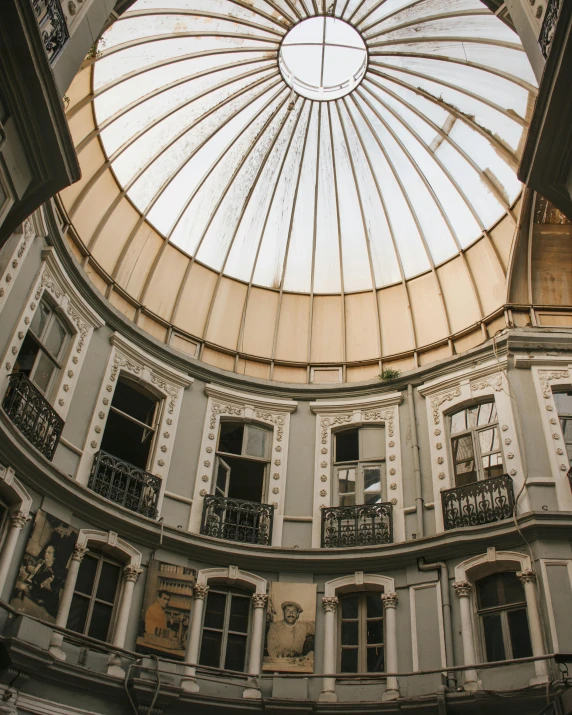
(44,567)
(291,628)
(165,618)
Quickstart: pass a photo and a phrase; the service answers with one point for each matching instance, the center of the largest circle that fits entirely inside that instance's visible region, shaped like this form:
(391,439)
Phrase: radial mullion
(158,12)
(422,20)
(315,229)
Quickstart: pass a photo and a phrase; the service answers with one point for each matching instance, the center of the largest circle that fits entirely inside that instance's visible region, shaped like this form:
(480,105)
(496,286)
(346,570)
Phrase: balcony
(237,520)
(33,415)
(478,503)
(53,26)
(359,525)
(125,484)
(548,26)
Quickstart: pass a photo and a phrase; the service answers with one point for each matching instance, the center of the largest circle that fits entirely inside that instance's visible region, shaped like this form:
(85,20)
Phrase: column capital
(526,576)
(330,604)
(463,588)
(390,600)
(200,591)
(259,600)
(131,573)
(79,552)
(18,519)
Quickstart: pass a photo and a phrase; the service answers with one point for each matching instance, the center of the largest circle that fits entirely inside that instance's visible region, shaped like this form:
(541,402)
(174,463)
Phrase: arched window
(563,402)
(95,596)
(43,349)
(243,458)
(361,633)
(475,443)
(501,607)
(225,628)
(359,465)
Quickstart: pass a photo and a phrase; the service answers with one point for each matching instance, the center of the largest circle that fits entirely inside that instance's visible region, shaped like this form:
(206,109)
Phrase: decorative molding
(527,576)
(110,541)
(358,580)
(390,600)
(463,589)
(439,399)
(14,262)
(232,576)
(259,600)
(547,376)
(14,492)
(330,604)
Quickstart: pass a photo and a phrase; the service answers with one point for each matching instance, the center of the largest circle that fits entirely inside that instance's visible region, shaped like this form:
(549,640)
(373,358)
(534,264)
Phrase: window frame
(102,558)
(362,619)
(473,432)
(229,591)
(502,609)
(220,456)
(359,464)
(564,416)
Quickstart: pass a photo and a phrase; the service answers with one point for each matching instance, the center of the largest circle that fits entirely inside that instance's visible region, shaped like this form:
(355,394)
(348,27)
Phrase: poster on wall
(44,567)
(290,628)
(165,618)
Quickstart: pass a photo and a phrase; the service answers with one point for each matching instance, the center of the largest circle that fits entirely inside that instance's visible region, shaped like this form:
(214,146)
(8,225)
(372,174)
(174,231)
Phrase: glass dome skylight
(314,147)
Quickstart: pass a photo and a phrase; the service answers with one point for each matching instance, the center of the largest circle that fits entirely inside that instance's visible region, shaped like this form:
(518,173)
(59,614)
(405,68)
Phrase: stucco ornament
(324,450)
(259,600)
(326,422)
(438,400)
(223,409)
(277,462)
(330,604)
(393,485)
(462,588)
(323,492)
(205,478)
(440,460)
(390,600)
(546,376)
(494,381)
(275,475)
(200,591)
(209,450)
(275,490)
(131,573)
(441,475)
(526,576)
(323,478)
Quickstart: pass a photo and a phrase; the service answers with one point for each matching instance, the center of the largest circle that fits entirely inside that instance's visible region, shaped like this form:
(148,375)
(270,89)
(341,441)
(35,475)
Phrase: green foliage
(389,374)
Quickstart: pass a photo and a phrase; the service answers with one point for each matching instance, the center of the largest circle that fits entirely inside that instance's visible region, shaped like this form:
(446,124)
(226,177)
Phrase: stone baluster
(528,580)
(57,639)
(463,590)
(259,601)
(390,601)
(189,683)
(330,605)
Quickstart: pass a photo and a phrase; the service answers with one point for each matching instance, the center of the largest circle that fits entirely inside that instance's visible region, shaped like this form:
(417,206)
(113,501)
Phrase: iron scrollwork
(548,27)
(237,520)
(32,414)
(359,525)
(53,26)
(478,503)
(125,484)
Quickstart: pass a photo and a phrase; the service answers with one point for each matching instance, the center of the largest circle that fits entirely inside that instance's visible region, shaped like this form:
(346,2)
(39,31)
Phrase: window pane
(472,417)
(349,660)
(372,443)
(86,574)
(78,613)
(487,413)
(375,631)
(563,402)
(519,633)
(347,446)
(40,319)
(492,466)
(489,440)
(100,620)
(375,660)
(210,648)
(27,356)
(55,338)
(372,485)
(488,591)
(235,652)
(493,637)
(257,441)
(463,448)
(239,609)
(347,481)
(230,439)
(134,400)
(108,580)
(513,589)
(43,372)
(214,613)
(350,606)
(221,479)
(374,605)
(458,422)
(350,632)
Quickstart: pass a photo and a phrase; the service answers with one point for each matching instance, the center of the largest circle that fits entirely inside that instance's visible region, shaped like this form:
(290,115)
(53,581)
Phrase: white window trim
(360,412)
(554,373)
(168,382)
(465,387)
(79,317)
(27,232)
(250,408)
(549,607)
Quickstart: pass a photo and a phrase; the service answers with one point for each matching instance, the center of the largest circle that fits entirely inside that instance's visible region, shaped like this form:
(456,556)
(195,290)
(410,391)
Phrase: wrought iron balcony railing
(548,26)
(359,525)
(53,26)
(237,520)
(478,503)
(32,414)
(125,484)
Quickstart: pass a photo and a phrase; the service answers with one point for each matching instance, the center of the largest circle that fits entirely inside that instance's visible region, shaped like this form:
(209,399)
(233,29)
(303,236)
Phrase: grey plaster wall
(301,450)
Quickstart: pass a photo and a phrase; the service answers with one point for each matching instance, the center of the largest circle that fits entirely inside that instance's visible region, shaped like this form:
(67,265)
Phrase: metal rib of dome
(227,161)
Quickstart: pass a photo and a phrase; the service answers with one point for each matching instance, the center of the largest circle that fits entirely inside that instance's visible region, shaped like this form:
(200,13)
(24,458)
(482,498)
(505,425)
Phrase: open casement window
(563,402)
(243,458)
(502,614)
(360,465)
(132,423)
(95,597)
(361,633)
(225,629)
(475,443)
(44,347)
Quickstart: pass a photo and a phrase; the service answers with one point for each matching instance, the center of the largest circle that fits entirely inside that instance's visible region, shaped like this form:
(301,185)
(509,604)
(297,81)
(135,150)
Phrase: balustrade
(548,27)
(53,26)
(237,520)
(481,502)
(359,525)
